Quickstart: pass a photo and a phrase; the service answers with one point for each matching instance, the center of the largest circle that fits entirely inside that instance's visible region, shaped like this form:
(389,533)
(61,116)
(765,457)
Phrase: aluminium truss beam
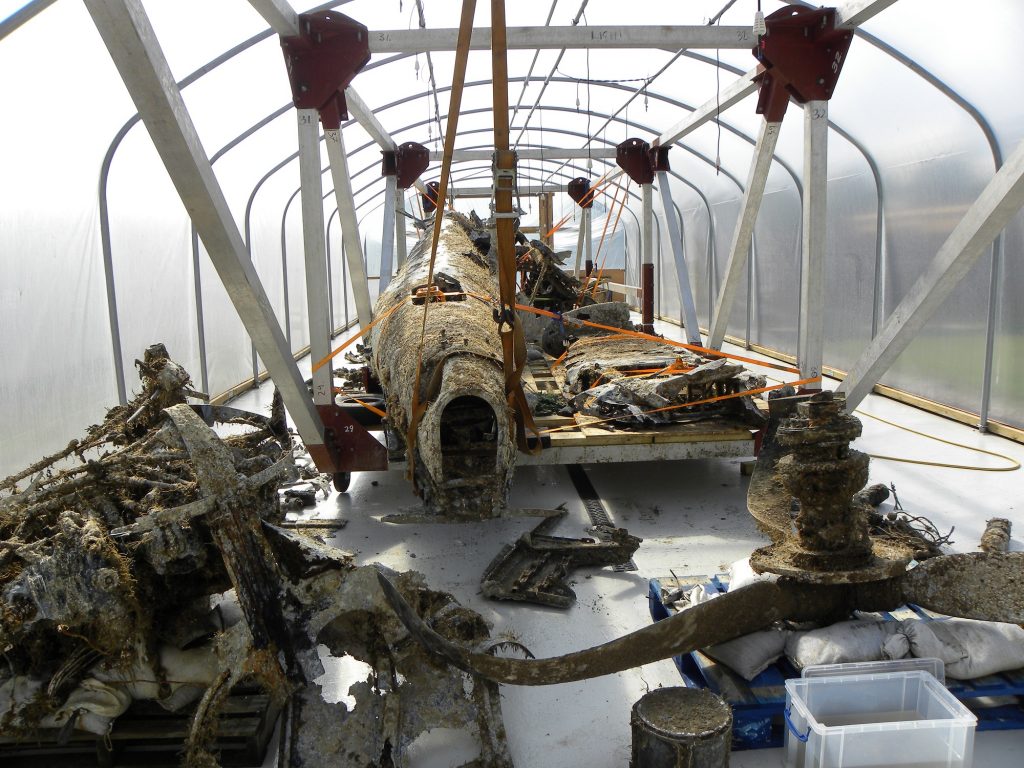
(811,340)
(364,115)
(129,37)
(476,155)
(334,139)
(315,251)
(689,307)
(671,38)
(523,190)
(998,203)
(279,15)
(387,240)
(741,239)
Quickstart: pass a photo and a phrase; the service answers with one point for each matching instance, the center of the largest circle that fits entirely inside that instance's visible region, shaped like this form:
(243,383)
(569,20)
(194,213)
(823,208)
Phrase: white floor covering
(692,517)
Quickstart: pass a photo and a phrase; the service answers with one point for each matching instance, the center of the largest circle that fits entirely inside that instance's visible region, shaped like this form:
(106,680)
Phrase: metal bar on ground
(314,250)
(132,44)
(998,203)
(675,236)
(812,271)
(335,142)
(667,37)
(760,165)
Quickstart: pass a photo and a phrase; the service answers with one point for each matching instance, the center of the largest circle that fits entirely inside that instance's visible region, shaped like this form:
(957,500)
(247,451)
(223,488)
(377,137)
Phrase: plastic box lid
(933,666)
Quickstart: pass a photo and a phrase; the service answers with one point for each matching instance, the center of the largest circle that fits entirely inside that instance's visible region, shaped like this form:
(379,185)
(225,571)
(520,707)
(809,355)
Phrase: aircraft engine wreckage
(823,561)
(464,452)
(141,563)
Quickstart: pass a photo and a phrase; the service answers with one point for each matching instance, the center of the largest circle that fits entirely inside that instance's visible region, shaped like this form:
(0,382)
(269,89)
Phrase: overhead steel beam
(998,203)
(760,165)
(689,307)
(132,44)
(810,347)
(279,14)
(467,155)
(529,189)
(671,38)
(856,12)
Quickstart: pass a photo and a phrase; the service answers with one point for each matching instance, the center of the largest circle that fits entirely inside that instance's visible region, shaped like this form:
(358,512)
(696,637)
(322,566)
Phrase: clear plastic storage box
(854,716)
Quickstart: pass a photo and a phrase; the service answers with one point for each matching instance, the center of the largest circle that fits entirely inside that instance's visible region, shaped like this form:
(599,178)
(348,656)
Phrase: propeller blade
(974,585)
(734,614)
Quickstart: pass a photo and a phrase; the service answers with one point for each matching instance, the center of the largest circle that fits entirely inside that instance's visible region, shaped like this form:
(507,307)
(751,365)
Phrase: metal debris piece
(534,569)
(996,537)
(643,381)
(546,284)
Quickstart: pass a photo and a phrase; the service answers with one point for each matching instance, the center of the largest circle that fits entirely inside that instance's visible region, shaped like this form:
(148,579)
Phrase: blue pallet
(757,705)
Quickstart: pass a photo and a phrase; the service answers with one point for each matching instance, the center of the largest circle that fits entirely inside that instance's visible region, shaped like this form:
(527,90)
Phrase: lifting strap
(454,107)
(510,330)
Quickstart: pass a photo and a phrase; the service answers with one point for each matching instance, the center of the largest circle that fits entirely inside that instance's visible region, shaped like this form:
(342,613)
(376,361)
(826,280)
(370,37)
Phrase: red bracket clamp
(802,55)
(348,445)
(407,162)
(579,190)
(322,60)
(640,160)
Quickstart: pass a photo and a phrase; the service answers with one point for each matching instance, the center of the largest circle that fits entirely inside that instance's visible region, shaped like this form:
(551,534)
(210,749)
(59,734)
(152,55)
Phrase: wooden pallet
(148,735)
(758,704)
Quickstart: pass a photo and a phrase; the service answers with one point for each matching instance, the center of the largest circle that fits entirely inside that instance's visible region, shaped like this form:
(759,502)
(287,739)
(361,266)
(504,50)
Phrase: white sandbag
(741,574)
(94,704)
(847,641)
(749,655)
(968,648)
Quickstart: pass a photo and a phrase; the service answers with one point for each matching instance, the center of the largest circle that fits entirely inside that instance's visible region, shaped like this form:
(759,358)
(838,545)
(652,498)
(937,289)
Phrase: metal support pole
(580,242)
(998,203)
(760,165)
(675,236)
(588,254)
(129,37)
(401,224)
(990,331)
(387,240)
(812,274)
(200,324)
(335,141)
(647,268)
(314,250)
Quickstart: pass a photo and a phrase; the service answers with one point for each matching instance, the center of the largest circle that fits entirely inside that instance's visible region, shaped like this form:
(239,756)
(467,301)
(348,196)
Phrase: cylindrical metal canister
(681,728)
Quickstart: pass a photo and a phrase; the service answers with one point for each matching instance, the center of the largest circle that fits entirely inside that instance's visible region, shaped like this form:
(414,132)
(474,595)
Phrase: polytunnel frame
(29,11)
(213,64)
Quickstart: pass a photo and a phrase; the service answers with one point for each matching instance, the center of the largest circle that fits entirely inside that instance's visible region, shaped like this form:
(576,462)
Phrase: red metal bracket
(348,445)
(640,160)
(802,55)
(634,157)
(578,190)
(430,197)
(322,60)
(407,162)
